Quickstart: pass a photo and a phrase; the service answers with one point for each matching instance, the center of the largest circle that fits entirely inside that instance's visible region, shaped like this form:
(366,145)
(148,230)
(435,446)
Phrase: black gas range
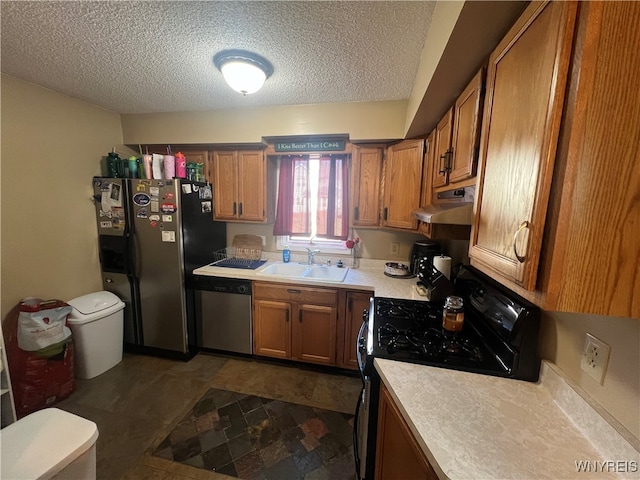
(499,337)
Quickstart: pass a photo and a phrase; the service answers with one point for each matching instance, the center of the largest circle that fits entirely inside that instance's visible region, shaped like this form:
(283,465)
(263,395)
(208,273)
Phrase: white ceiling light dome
(244,71)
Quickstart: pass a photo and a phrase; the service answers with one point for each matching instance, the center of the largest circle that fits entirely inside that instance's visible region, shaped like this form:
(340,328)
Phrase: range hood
(452,207)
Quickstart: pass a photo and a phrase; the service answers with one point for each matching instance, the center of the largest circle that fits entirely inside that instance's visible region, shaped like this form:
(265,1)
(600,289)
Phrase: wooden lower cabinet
(271,327)
(294,322)
(398,455)
(356,304)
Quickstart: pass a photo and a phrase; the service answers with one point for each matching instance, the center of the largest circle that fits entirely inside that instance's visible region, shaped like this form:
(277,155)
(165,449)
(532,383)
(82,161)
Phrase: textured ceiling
(144,57)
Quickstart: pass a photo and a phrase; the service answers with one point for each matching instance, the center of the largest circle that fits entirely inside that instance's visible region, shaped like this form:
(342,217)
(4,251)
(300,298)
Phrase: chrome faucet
(310,255)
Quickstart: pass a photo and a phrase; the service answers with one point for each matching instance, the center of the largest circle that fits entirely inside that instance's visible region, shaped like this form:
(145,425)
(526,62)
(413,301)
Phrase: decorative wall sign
(317,146)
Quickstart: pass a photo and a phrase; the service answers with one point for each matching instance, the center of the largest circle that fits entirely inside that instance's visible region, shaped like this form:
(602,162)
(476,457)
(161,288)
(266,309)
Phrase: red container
(38,379)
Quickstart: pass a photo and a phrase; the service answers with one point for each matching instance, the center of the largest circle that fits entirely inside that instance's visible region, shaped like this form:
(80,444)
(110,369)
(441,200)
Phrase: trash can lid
(94,302)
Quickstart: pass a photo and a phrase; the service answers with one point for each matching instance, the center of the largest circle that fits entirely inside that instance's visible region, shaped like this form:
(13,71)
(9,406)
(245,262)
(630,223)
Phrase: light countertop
(484,427)
(369,276)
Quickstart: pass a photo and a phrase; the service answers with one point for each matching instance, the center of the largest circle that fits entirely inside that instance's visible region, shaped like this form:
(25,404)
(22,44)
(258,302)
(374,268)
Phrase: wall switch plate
(595,358)
(395,248)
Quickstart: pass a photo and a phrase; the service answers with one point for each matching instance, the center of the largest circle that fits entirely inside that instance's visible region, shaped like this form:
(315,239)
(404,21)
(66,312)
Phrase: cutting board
(247,246)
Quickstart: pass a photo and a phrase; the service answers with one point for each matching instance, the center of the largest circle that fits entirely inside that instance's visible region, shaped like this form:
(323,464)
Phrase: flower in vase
(351,243)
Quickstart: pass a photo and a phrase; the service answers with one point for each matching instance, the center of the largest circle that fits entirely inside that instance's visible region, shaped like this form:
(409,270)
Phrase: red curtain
(293,215)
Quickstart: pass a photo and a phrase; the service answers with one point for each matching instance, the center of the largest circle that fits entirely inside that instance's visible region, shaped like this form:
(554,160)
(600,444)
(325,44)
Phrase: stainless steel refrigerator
(151,235)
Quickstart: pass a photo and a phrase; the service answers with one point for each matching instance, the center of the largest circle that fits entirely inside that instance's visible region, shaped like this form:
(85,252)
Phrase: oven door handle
(361,346)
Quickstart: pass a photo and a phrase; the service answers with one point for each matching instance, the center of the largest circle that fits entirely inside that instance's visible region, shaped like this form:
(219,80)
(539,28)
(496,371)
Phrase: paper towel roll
(443,263)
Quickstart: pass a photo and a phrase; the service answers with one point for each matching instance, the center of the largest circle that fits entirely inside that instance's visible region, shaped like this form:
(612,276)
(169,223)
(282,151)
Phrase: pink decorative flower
(351,243)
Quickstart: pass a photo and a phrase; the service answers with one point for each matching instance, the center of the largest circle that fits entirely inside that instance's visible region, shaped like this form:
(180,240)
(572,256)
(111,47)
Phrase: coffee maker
(423,249)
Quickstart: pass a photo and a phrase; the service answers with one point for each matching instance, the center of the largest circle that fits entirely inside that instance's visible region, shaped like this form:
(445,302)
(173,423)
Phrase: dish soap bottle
(286,254)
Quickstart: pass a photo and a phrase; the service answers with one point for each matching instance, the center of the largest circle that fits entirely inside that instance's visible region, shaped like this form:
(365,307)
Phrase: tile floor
(257,438)
(138,403)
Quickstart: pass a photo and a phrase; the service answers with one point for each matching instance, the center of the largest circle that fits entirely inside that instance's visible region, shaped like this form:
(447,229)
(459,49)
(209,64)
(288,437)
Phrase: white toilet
(97,324)
(49,443)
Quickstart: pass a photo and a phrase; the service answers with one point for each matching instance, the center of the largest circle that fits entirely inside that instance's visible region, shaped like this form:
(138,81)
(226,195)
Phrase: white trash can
(97,324)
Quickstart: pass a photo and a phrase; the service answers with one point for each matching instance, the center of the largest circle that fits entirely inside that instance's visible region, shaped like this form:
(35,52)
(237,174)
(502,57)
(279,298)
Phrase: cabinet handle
(350,304)
(385,213)
(522,226)
(356,213)
(446,163)
(443,162)
(287,317)
(300,316)
(291,290)
(241,208)
(234,208)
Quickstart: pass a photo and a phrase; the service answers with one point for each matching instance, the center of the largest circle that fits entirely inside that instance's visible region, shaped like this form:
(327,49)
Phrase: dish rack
(238,257)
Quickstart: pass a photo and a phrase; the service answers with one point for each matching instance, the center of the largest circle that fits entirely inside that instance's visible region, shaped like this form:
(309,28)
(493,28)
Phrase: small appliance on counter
(397,270)
(432,283)
(423,249)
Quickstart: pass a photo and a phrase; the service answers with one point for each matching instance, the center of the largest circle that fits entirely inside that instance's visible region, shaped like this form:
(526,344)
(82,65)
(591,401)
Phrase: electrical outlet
(595,358)
(395,248)
(264,240)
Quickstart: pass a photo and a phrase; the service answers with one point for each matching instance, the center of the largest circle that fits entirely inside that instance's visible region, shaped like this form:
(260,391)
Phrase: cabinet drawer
(295,293)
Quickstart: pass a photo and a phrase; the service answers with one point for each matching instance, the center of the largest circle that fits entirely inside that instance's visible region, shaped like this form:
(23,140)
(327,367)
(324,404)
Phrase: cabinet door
(357,303)
(525,92)
(466,131)
(225,189)
(251,186)
(272,328)
(402,184)
(314,334)
(398,454)
(366,174)
(442,150)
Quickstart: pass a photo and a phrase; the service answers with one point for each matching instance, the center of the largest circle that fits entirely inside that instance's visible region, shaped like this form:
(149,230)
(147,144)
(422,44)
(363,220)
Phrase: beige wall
(362,121)
(51,147)
(563,336)
(444,19)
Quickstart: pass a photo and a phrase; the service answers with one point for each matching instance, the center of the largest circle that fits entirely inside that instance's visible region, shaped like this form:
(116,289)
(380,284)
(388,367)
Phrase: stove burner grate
(428,343)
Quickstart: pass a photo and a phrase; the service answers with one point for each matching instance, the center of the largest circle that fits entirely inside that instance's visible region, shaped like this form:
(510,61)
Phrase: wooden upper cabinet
(366,174)
(442,150)
(225,185)
(591,265)
(466,131)
(526,81)
(240,185)
(457,136)
(402,184)
(252,186)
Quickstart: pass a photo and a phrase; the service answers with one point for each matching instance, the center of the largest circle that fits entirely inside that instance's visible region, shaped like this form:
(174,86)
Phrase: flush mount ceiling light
(244,71)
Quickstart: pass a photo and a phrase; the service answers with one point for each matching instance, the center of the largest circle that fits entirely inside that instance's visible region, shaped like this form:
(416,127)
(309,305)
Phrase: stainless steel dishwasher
(223,314)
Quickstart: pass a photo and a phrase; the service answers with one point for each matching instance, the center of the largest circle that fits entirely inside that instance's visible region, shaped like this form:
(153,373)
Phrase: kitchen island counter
(477,426)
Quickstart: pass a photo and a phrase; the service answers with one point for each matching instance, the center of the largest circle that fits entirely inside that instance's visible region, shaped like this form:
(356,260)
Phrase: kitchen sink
(327,274)
(298,271)
(284,270)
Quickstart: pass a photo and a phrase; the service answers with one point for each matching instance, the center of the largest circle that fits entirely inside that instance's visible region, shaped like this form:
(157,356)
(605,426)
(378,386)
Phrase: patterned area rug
(251,437)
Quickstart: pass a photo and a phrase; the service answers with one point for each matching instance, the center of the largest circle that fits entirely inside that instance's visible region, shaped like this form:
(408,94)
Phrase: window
(313,201)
